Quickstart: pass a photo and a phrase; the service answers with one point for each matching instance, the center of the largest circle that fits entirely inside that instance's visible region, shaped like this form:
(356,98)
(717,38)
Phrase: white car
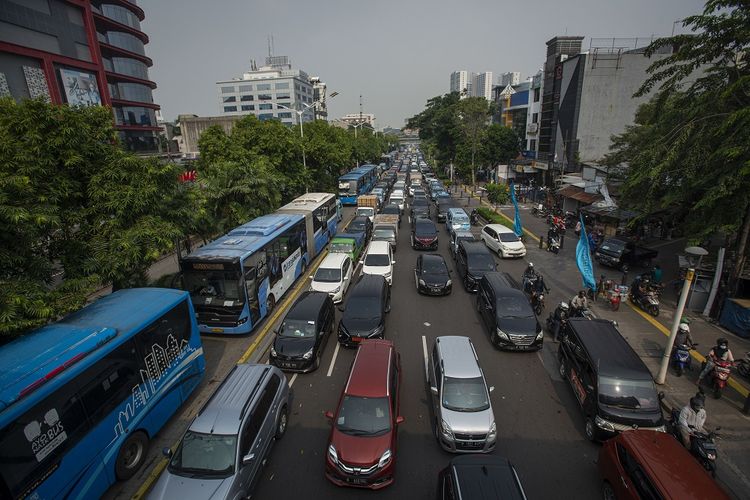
(333,276)
(366,212)
(503,241)
(397,198)
(379,260)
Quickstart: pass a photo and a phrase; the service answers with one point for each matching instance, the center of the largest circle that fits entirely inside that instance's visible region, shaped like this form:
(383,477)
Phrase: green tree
(497,194)
(689,149)
(473,115)
(500,145)
(329,151)
(439,127)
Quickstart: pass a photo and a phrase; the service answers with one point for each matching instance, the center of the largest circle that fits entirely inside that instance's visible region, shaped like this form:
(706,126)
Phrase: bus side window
(159,343)
(109,382)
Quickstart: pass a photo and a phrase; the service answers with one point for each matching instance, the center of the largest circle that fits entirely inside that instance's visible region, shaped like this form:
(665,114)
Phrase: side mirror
(661,395)
(434,390)
(310,277)
(393,262)
(346,278)
(361,262)
(399,420)
(329,415)
(167,452)
(492,388)
(248,458)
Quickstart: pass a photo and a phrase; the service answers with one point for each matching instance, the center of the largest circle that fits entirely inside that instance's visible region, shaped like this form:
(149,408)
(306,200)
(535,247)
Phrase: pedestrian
(656,274)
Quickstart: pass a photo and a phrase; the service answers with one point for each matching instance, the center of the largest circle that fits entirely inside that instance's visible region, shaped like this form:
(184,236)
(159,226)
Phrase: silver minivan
(223,451)
(464,421)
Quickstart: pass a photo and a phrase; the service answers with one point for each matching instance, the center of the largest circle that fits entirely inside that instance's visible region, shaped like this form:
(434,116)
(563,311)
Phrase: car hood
(425,237)
(293,347)
(477,422)
(172,486)
(434,279)
(513,245)
(378,270)
(359,327)
(521,326)
(360,450)
(624,416)
(320,286)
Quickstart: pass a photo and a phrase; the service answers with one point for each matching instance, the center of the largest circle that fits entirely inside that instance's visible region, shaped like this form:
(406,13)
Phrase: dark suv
(366,307)
(473,260)
(360,224)
(479,477)
(507,314)
(424,236)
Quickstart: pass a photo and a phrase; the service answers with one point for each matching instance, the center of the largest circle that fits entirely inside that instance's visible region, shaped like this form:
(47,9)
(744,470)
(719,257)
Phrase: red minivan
(362,445)
(641,464)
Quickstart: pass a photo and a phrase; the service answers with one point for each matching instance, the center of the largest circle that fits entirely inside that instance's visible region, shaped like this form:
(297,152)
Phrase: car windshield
(420,202)
(514,307)
(356,226)
(629,394)
(464,238)
(377,259)
(297,329)
(461,220)
(425,228)
(210,285)
(360,416)
(384,233)
(340,247)
(508,237)
(434,266)
(363,308)
(204,455)
(465,394)
(615,246)
(481,262)
(328,275)
(391,209)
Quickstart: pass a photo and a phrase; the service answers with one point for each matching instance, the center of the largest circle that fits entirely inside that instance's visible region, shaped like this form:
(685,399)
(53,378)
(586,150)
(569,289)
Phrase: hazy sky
(397,54)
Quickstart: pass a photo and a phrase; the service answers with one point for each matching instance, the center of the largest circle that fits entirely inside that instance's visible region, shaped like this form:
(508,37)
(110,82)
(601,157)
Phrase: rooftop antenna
(360,108)
(268,39)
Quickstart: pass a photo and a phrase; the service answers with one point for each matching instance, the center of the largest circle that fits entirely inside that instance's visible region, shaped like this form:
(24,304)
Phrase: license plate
(217,330)
(287,365)
(354,480)
(356,339)
(435,290)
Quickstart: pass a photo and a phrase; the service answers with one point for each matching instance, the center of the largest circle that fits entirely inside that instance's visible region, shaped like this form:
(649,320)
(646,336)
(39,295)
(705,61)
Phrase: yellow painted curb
(696,355)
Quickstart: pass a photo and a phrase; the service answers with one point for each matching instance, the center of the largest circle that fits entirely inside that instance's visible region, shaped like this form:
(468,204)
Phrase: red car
(362,445)
(649,464)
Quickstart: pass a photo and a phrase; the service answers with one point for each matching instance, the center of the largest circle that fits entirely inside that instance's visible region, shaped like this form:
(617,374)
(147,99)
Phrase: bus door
(251,287)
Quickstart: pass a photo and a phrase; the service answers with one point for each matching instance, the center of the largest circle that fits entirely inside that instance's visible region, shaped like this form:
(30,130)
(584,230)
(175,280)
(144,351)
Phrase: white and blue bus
(237,280)
(358,181)
(321,214)
(81,398)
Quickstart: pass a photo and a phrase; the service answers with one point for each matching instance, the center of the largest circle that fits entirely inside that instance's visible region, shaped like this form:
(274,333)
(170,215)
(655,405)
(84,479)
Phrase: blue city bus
(81,398)
(237,280)
(321,218)
(358,181)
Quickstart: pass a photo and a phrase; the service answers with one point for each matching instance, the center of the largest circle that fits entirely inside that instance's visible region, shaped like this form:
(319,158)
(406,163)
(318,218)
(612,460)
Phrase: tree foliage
(689,149)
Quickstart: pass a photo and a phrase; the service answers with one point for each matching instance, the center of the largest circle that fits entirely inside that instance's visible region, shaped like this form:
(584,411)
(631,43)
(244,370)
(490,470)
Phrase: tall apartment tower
(483,85)
(511,78)
(82,53)
(461,81)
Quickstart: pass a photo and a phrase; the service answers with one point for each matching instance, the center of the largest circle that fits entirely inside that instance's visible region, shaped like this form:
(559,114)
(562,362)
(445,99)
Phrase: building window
(283,96)
(263,86)
(248,107)
(534,117)
(131,92)
(246,98)
(532,144)
(131,115)
(284,85)
(284,115)
(246,88)
(265,106)
(227,90)
(125,41)
(121,15)
(230,98)
(264,97)
(296,87)
(299,97)
(285,105)
(537,92)
(265,116)
(230,109)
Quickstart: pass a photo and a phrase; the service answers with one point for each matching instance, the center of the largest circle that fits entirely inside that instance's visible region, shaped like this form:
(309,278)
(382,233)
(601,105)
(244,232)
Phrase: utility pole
(662,376)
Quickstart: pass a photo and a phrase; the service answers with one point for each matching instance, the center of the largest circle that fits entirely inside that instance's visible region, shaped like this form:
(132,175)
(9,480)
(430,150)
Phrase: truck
(367,204)
(622,254)
(386,228)
(351,244)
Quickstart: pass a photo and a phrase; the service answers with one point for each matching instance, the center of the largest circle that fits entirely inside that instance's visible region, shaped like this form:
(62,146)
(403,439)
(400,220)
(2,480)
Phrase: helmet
(564,306)
(697,402)
(684,328)
(531,264)
(722,342)
(685,320)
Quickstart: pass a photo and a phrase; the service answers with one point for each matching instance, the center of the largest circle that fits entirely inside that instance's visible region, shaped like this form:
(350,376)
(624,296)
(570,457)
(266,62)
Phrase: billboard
(80,88)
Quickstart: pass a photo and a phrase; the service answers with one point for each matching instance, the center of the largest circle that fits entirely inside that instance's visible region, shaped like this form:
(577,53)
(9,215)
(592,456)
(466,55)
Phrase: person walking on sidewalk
(692,417)
(719,351)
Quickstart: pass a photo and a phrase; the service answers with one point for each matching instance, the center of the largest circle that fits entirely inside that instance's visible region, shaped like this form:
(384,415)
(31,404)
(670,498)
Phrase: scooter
(649,302)
(681,358)
(474,218)
(555,326)
(743,365)
(702,445)
(719,376)
(537,302)
(539,211)
(553,244)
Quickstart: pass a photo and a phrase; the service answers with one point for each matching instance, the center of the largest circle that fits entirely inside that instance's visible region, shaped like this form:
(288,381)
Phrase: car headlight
(540,335)
(332,454)
(273,352)
(377,331)
(603,424)
(384,459)
(501,334)
(448,283)
(421,282)
(661,428)
(336,290)
(445,429)
(308,354)
(493,432)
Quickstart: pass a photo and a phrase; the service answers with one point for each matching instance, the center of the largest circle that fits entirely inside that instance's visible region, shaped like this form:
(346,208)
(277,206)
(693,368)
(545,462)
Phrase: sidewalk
(648,336)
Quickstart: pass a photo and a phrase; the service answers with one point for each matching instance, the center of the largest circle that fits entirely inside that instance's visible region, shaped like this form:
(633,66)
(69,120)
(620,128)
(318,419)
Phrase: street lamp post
(301,130)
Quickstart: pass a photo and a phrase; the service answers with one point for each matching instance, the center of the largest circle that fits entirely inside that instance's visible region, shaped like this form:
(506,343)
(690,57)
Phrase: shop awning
(579,194)
(616,213)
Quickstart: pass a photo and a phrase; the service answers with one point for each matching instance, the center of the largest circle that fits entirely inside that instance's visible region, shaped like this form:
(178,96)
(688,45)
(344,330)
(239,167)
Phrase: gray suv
(464,421)
(222,453)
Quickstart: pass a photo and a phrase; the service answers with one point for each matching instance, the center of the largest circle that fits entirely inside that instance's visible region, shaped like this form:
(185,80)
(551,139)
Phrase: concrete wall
(191,129)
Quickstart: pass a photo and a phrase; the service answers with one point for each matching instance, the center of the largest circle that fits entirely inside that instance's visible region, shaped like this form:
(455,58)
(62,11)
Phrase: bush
(497,193)
(493,217)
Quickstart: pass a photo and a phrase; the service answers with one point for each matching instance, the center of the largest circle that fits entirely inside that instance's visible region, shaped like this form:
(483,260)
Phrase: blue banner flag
(517,228)
(583,259)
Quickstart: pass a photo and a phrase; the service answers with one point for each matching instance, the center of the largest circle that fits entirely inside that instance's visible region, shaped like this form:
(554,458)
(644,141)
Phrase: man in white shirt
(692,418)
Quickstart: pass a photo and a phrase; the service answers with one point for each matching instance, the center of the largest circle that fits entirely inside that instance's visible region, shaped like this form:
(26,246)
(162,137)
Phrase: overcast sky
(395,53)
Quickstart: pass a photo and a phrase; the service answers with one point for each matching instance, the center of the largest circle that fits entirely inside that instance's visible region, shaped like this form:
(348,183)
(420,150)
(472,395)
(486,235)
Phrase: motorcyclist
(579,303)
(529,275)
(538,287)
(561,314)
(474,217)
(718,352)
(640,287)
(552,233)
(683,336)
(692,417)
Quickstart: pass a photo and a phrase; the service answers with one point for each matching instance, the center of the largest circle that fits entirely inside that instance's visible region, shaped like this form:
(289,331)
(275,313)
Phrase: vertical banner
(517,228)
(583,259)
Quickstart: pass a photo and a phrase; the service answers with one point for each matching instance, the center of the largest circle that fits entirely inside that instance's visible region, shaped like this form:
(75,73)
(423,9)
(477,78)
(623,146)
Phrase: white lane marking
(539,355)
(333,360)
(424,353)
(291,381)
(426,324)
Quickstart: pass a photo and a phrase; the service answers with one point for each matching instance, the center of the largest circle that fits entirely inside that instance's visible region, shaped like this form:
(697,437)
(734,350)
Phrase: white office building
(483,85)
(462,82)
(511,78)
(274,91)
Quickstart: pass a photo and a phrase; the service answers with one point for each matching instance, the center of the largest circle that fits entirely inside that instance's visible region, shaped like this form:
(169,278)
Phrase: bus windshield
(210,285)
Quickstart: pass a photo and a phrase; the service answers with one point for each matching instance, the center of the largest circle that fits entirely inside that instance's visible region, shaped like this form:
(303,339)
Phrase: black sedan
(432,275)
(420,205)
(361,224)
(424,235)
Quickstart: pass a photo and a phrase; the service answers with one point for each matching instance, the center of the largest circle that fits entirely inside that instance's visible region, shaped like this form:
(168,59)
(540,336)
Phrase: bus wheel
(270,304)
(131,455)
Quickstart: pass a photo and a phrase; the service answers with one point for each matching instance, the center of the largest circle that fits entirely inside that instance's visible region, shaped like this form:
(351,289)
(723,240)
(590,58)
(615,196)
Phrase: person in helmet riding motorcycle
(683,336)
(529,276)
(560,316)
(718,352)
(692,418)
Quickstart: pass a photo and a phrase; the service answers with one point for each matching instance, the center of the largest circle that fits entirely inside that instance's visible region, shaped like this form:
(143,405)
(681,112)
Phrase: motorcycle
(648,301)
(702,444)
(743,365)
(553,244)
(681,358)
(556,322)
(719,376)
(537,302)
(539,211)
(474,218)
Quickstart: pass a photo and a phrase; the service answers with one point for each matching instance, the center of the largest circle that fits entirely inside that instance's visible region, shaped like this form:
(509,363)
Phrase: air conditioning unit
(532,128)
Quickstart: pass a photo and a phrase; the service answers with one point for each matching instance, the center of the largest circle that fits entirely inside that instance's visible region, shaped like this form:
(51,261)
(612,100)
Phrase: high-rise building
(319,98)
(275,91)
(462,82)
(84,53)
(510,78)
(482,86)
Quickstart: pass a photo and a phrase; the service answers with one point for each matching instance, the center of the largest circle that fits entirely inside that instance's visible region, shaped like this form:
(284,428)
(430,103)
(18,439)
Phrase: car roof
(334,260)
(458,357)
(223,412)
(433,257)
(670,465)
(363,218)
(457,211)
(474,247)
(378,247)
(499,228)
(610,352)
(502,283)
(369,285)
(486,477)
(464,234)
(424,222)
(307,306)
(371,369)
